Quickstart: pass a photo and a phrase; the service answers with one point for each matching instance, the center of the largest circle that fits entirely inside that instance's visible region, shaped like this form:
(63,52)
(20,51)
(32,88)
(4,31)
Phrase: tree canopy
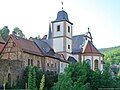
(112,55)
(16,31)
(79,76)
(5,33)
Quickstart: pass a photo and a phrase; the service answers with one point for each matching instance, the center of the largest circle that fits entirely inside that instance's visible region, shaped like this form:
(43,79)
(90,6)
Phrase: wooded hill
(112,54)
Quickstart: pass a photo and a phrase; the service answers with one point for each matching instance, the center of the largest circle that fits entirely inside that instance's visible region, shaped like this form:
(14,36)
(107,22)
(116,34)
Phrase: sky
(33,17)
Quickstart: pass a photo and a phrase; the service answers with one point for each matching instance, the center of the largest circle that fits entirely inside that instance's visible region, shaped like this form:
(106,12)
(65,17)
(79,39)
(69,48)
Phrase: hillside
(112,55)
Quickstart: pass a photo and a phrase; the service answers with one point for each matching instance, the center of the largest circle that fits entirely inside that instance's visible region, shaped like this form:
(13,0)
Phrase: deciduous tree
(16,31)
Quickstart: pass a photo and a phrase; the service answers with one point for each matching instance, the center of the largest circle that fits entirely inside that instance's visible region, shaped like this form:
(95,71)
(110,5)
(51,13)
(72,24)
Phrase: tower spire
(89,33)
(62,4)
(50,32)
(88,29)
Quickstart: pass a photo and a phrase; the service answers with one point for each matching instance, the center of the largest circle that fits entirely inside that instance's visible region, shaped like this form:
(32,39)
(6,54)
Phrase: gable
(10,46)
(1,47)
(21,44)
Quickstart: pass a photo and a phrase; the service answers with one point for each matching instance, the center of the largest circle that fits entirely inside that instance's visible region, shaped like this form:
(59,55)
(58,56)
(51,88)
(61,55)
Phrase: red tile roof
(2,43)
(1,40)
(26,45)
(90,48)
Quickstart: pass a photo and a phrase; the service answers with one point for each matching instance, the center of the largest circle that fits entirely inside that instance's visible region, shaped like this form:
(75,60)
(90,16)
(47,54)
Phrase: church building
(78,47)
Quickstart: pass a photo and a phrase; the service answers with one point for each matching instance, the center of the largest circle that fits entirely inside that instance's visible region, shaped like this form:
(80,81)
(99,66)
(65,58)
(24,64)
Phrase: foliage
(16,31)
(112,55)
(42,84)
(50,79)
(74,77)
(0,32)
(39,75)
(22,83)
(32,79)
(79,76)
(5,33)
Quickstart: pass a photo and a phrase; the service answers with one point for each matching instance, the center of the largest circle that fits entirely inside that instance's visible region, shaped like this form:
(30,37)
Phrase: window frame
(88,61)
(68,29)
(68,46)
(38,63)
(29,63)
(95,64)
(58,28)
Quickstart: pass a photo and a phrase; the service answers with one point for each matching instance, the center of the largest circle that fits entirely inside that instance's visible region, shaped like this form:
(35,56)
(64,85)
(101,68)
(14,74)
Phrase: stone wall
(14,68)
(52,64)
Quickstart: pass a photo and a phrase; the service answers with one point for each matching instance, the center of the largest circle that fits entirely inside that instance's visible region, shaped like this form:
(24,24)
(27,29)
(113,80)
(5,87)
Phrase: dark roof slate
(47,50)
(48,41)
(62,16)
(78,43)
(43,46)
(72,60)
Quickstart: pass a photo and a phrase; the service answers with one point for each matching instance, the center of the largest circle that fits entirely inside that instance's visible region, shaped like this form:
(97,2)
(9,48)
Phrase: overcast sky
(32,17)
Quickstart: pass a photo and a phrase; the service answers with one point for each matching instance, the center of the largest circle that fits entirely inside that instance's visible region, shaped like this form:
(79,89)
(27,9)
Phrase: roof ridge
(21,38)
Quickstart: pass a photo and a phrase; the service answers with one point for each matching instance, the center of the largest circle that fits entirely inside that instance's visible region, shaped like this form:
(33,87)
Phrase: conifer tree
(42,84)
(5,33)
(31,79)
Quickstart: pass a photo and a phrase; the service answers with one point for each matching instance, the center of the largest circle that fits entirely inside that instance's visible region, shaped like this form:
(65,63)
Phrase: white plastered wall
(93,58)
(63,65)
(58,44)
(68,42)
(58,33)
(68,34)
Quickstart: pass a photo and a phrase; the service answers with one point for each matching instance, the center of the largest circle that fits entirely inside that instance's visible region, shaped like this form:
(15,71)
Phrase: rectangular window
(58,28)
(48,64)
(51,65)
(69,29)
(31,62)
(68,46)
(28,62)
(55,64)
(38,63)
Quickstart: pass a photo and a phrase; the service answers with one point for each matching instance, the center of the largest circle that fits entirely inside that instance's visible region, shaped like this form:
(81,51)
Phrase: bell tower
(62,34)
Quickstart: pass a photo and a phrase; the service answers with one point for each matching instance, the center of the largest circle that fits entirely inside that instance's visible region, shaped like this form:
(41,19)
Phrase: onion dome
(62,16)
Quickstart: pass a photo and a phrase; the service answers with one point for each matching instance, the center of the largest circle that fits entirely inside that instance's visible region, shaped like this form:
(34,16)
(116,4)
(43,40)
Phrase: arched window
(96,64)
(9,78)
(88,61)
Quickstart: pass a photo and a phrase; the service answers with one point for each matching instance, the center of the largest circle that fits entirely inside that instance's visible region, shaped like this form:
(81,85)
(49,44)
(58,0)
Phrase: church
(52,53)
(74,48)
